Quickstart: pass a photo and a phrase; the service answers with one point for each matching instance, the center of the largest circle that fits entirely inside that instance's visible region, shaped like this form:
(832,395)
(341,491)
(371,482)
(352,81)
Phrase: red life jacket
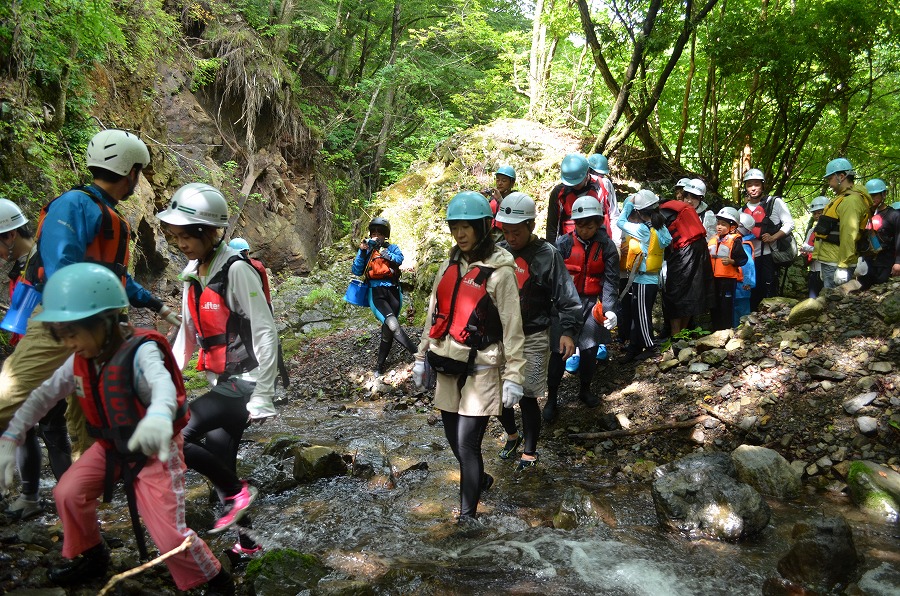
(566,197)
(464,310)
(586,267)
(263,276)
(225,337)
(108,248)
(111,405)
(684,224)
(495,205)
(720,269)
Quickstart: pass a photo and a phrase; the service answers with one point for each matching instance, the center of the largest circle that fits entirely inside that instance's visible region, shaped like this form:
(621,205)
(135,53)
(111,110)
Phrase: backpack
(784,250)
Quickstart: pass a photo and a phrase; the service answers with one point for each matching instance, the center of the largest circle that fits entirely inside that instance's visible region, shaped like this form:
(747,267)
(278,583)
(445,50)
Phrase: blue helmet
(839,165)
(599,163)
(507,171)
(573,169)
(468,205)
(239,244)
(876,185)
(79,291)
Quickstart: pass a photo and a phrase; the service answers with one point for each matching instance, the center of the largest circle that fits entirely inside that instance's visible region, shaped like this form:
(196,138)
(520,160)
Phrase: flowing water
(404,539)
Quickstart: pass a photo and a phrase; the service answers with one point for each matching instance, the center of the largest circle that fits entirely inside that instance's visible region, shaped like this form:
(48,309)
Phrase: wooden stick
(611,434)
(135,570)
(720,417)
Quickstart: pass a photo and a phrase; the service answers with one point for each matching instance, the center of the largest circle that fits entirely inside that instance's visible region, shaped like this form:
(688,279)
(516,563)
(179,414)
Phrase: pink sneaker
(240,503)
(246,552)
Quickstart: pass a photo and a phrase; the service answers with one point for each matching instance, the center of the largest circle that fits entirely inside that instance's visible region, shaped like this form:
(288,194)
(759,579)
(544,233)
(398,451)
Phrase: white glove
(861,268)
(7,461)
(152,436)
(611,319)
(171,317)
(261,408)
(512,393)
(841,275)
(418,374)
(807,249)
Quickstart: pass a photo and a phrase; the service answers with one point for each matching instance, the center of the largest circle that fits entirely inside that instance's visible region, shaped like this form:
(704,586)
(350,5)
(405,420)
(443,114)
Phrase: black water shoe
(91,564)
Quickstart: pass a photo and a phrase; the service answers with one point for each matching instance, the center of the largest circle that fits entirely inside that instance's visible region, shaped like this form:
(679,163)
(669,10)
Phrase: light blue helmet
(507,171)
(573,169)
(468,205)
(895,205)
(876,185)
(839,165)
(817,204)
(239,244)
(79,291)
(599,163)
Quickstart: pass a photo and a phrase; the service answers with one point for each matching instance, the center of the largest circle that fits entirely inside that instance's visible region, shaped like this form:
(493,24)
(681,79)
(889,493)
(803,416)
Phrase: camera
(375,243)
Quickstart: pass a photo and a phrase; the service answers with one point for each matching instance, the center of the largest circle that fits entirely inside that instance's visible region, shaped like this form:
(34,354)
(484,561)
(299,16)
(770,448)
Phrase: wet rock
(823,559)
(714,340)
(714,356)
(312,463)
(273,475)
(344,587)
(284,572)
(697,497)
(867,425)
(766,471)
(875,489)
(283,445)
(852,406)
(807,311)
(579,508)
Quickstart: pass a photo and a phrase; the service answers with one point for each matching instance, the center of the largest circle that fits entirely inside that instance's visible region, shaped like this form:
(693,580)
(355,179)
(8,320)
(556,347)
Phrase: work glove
(611,320)
(261,408)
(152,436)
(807,249)
(861,268)
(512,393)
(418,374)
(841,275)
(7,461)
(171,317)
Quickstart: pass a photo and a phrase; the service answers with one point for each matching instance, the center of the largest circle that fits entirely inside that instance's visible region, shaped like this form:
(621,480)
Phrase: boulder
(579,508)
(766,471)
(875,489)
(714,340)
(701,500)
(312,463)
(806,312)
(284,572)
(823,559)
(889,309)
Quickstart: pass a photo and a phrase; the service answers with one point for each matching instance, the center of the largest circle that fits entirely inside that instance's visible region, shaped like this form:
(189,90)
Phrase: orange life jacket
(225,337)
(716,252)
(380,267)
(111,406)
(464,310)
(586,267)
(108,248)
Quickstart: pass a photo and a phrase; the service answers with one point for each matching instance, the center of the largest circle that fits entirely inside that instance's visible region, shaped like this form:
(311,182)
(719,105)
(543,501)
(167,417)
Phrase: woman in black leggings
(378,261)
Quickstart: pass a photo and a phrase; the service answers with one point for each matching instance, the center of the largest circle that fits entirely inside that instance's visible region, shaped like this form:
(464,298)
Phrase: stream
(405,540)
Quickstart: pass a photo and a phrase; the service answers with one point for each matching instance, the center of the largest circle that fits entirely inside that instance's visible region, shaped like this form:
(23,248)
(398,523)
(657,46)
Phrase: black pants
(586,368)
(877,274)
(815,284)
(723,310)
(642,297)
(386,300)
(212,437)
(766,286)
(465,434)
(531,422)
(52,429)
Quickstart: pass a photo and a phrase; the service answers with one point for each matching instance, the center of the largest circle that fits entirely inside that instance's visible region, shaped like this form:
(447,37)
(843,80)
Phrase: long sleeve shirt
(391,252)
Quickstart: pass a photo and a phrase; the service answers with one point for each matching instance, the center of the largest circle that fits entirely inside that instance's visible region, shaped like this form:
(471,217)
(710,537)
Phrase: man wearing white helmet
(773,223)
(79,225)
(814,275)
(886,224)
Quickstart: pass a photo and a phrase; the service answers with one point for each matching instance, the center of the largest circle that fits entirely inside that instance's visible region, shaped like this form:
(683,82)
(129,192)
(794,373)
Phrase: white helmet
(729,214)
(817,203)
(11,217)
(117,151)
(196,204)
(516,208)
(681,182)
(754,174)
(747,223)
(584,207)
(695,186)
(644,198)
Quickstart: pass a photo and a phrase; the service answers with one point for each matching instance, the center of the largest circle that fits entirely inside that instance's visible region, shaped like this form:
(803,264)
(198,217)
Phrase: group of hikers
(509,314)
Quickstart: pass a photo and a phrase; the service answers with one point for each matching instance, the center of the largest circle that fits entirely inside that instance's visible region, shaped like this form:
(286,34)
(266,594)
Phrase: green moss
(194,380)
(280,561)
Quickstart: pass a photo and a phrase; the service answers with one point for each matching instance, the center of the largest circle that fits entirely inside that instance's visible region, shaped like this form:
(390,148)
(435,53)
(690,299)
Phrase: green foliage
(205,72)
(194,380)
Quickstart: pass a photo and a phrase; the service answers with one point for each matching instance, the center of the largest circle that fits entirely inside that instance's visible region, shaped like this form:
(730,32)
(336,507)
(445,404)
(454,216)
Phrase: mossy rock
(284,572)
(875,489)
(282,445)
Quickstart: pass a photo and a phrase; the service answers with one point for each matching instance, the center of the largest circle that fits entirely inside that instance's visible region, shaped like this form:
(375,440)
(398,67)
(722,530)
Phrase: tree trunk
(387,122)
(686,102)
(535,58)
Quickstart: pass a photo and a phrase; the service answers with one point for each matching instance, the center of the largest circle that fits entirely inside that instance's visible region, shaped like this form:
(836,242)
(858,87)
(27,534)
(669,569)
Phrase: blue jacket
(748,269)
(72,221)
(391,252)
(642,233)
